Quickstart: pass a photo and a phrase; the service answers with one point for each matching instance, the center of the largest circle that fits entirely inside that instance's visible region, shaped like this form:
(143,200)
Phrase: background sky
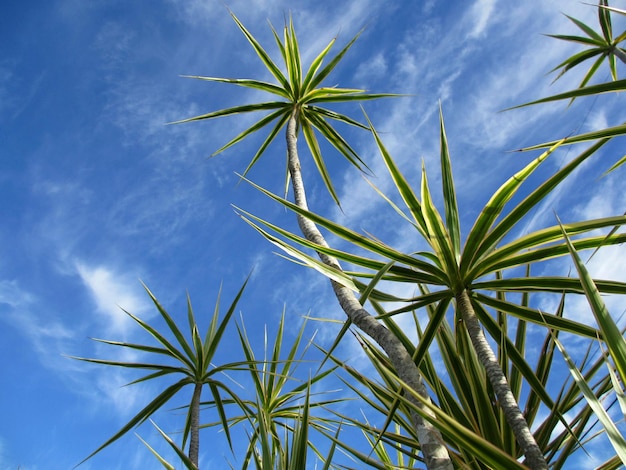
(96,192)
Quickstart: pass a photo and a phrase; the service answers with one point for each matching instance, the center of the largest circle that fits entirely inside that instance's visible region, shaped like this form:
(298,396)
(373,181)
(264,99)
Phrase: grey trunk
(620,54)
(433,448)
(514,416)
(194,442)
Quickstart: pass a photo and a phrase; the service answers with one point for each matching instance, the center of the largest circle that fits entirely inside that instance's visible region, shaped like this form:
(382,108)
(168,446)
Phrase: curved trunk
(435,453)
(194,441)
(514,416)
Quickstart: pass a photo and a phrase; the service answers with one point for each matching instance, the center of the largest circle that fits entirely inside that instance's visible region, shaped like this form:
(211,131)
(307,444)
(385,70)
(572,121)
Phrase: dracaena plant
(278,425)
(190,358)
(477,432)
(604,45)
(463,272)
(614,359)
(277,412)
(600,45)
(298,106)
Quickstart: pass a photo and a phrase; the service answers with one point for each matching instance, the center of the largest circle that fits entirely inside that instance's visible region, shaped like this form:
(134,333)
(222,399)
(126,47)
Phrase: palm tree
(276,409)
(603,46)
(606,46)
(299,106)
(477,433)
(192,360)
(281,417)
(466,273)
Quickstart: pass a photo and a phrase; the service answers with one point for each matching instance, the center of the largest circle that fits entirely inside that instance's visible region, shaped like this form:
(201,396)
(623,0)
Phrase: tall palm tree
(474,425)
(466,273)
(299,107)
(192,359)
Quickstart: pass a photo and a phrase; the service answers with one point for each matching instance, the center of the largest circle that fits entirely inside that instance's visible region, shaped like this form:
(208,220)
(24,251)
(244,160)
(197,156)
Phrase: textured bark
(514,416)
(434,450)
(194,441)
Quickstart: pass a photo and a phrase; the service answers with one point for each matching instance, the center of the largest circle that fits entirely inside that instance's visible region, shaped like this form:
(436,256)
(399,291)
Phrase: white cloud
(608,200)
(373,68)
(12,295)
(480,15)
(111,292)
(126,400)
(20,313)
(45,335)
(597,120)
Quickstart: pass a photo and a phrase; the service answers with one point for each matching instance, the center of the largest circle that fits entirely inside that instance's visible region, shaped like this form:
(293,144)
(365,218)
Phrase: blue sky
(98,193)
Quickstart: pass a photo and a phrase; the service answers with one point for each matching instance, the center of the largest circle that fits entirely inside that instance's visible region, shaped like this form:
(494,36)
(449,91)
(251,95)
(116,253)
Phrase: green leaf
(246,108)
(247,83)
(292,58)
(255,127)
(528,203)
(350,236)
(163,462)
(612,335)
(531,315)
(587,29)
(268,140)
(449,193)
(335,139)
(615,437)
(317,79)
(609,87)
(548,284)
(315,65)
(592,70)
(575,60)
(351,98)
(264,56)
(437,235)
(313,145)
(217,333)
(619,163)
(540,246)
(604,18)
(478,243)
(410,199)
(185,357)
(143,415)
(580,39)
(179,452)
(173,328)
(464,437)
(332,273)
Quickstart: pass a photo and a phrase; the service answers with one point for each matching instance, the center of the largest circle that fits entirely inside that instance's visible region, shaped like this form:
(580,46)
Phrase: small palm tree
(603,46)
(189,358)
(606,46)
(275,412)
(299,105)
(281,417)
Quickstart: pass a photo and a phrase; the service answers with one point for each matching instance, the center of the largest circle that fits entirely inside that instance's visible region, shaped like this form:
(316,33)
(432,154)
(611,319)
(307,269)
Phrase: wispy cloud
(47,333)
(112,292)
(479,15)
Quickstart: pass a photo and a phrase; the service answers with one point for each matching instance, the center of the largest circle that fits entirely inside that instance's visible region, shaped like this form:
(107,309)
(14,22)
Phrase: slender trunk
(514,416)
(194,442)
(434,450)
(620,54)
